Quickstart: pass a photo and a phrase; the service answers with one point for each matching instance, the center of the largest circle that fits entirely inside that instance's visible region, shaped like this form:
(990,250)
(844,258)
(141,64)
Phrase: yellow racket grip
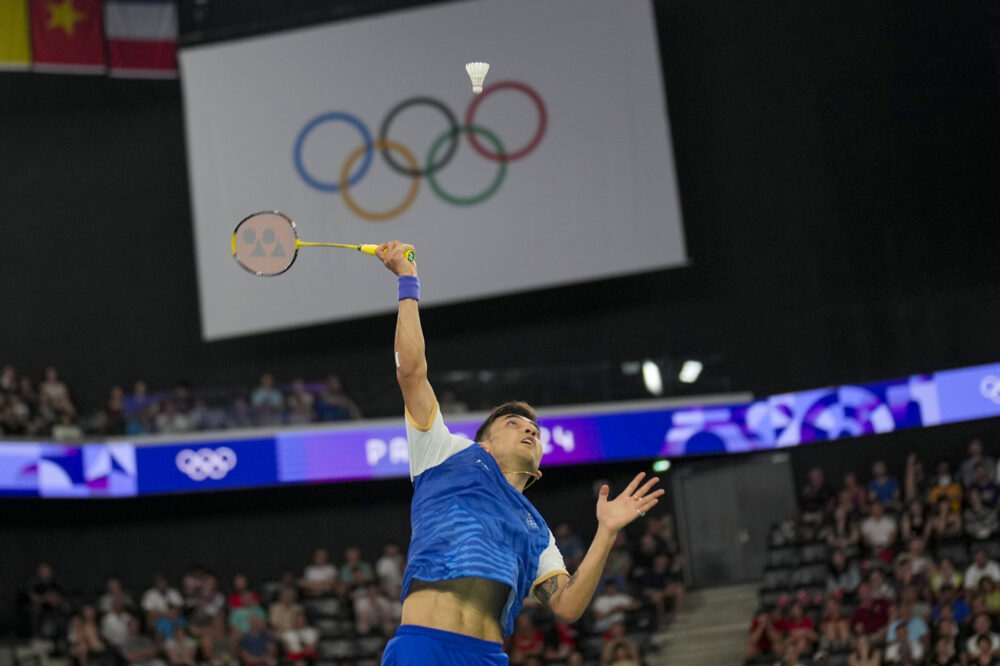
(370,249)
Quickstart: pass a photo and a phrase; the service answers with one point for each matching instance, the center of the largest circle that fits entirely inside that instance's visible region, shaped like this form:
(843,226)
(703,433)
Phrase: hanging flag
(15,43)
(67,36)
(142,37)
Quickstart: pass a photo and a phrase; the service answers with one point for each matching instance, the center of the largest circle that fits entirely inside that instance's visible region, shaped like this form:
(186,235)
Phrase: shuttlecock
(477,72)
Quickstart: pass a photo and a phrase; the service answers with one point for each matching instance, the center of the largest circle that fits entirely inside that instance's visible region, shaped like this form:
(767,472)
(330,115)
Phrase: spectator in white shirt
(389,567)
(610,605)
(320,577)
(982,567)
(982,626)
(300,641)
(157,599)
(113,589)
(114,625)
(878,531)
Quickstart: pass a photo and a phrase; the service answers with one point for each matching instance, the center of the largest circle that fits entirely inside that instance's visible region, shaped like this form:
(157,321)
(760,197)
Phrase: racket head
(266,243)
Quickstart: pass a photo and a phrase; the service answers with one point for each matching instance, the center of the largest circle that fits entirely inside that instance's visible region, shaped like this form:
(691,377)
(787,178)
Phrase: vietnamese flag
(68,36)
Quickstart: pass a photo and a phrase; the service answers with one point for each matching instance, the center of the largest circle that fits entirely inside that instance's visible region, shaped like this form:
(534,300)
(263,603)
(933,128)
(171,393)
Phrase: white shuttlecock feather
(477,72)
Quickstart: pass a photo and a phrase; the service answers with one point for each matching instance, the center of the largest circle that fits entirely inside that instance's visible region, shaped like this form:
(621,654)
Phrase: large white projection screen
(272,122)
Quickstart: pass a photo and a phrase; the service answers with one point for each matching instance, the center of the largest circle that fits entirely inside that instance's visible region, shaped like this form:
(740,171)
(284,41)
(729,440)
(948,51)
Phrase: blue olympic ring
(316,122)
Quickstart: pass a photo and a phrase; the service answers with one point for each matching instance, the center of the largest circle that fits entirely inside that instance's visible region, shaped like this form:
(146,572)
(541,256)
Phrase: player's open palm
(632,503)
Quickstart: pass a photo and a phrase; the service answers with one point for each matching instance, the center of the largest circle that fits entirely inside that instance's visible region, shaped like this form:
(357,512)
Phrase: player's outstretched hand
(633,503)
(397,257)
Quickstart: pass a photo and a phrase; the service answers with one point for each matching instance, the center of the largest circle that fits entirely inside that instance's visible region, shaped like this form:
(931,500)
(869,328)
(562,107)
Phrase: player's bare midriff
(467,606)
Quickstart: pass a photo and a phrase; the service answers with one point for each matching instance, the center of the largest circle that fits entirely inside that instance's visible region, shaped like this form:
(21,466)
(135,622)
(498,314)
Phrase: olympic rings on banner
(316,122)
(384,146)
(383,134)
(485,194)
(470,115)
(437,158)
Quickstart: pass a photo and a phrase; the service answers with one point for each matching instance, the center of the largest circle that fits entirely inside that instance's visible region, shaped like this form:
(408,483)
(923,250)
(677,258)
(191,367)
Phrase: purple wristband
(409,287)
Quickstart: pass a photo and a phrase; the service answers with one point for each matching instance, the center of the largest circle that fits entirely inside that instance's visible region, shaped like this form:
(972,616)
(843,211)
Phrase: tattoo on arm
(572,579)
(545,590)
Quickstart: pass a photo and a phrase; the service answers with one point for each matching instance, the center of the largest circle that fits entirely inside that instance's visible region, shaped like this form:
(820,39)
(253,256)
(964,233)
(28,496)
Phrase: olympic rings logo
(990,388)
(206,463)
(438,156)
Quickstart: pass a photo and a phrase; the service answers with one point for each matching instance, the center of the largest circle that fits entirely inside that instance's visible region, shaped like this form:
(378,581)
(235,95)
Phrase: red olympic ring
(535,140)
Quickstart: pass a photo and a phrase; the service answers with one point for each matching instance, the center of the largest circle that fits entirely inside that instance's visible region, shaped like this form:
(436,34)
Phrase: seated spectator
(903,650)
(320,577)
(883,488)
(946,575)
(871,614)
(181,649)
(167,625)
(844,576)
(659,585)
(48,609)
(989,592)
(982,629)
(217,644)
(300,404)
(642,559)
(256,648)
(863,654)
(946,487)
(982,566)
(878,532)
(980,521)
(53,394)
(374,610)
(765,633)
(834,627)
(918,598)
(792,656)
(798,629)
(113,589)
(266,396)
(944,654)
(842,533)
(609,606)
(526,641)
(157,599)
(881,588)
(172,420)
(561,642)
(986,485)
(951,601)
(300,641)
(389,566)
(138,649)
(620,651)
(242,594)
(920,562)
(208,602)
(854,495)
(85,644)
(241,616)
(115,624)
(281,614)
(943,524)
(916,628)
(816,499)
(352,561)
(904,578)
(334,404)
(619,562)
(914,520)
(985,657)
(967,470)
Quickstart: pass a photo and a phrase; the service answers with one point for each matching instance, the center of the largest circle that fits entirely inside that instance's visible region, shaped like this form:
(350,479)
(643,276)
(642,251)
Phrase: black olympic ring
(383,135)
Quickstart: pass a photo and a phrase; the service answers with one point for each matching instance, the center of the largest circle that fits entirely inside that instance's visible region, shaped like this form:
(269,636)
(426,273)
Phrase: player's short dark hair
(515,407)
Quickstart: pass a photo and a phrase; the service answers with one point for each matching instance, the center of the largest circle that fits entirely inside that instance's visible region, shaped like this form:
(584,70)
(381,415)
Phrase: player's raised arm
(411,364)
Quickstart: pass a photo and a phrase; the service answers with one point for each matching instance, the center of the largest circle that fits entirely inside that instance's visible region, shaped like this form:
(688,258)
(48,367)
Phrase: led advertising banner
(367,130)
(379,450)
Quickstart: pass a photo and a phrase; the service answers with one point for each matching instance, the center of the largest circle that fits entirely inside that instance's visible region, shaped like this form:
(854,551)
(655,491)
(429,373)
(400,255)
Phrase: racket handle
(368,249)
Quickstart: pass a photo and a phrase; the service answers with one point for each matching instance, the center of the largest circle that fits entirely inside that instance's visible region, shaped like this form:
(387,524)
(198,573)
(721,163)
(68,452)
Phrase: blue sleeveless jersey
(468,521)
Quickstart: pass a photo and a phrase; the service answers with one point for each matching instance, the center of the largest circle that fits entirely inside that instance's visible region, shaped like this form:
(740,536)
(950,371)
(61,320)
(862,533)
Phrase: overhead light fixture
(651,378)
(661,465)
(690,372)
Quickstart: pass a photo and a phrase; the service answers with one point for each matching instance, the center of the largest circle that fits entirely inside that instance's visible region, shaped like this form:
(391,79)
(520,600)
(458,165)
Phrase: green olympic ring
(485,194)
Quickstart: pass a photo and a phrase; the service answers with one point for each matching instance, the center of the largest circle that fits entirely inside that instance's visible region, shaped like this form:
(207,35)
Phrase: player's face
(516,443)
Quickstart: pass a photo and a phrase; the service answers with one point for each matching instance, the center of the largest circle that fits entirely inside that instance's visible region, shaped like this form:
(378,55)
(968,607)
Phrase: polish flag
(142,38)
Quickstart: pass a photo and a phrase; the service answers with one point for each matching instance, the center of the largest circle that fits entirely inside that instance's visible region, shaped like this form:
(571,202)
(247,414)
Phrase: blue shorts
(419,646)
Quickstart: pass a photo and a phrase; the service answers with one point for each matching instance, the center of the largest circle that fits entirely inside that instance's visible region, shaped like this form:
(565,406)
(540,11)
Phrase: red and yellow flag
(68,36)
(15,42)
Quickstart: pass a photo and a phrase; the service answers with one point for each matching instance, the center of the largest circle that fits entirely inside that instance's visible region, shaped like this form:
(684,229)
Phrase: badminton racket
(267,244)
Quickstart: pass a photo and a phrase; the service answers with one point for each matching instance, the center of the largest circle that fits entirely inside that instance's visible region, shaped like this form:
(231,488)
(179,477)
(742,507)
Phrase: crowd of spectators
(343,614)
(47,409)
(898,570)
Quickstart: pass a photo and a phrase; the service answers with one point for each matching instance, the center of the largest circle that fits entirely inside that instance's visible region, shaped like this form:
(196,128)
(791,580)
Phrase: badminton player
(478,546)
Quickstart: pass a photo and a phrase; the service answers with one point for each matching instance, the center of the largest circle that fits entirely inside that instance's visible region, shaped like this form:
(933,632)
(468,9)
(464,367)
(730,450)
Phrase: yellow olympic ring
(345,173)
